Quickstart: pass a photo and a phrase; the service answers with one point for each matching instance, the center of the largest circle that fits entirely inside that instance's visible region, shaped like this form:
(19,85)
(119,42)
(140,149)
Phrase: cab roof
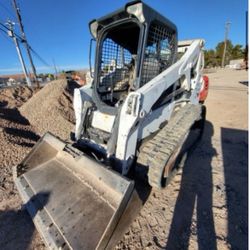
(138,9)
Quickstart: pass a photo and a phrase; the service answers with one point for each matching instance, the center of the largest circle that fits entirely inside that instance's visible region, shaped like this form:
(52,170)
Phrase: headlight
(136,10)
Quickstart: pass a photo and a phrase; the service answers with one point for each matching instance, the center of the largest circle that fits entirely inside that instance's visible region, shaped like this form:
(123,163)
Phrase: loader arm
(153,89)
(144,98)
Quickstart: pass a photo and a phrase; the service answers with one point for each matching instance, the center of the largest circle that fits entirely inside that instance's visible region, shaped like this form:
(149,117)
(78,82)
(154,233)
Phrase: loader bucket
(75,202)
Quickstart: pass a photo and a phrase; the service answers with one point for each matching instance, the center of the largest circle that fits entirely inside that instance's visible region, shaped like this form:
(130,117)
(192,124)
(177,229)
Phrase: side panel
(127,133)
(81,96)
(152,122)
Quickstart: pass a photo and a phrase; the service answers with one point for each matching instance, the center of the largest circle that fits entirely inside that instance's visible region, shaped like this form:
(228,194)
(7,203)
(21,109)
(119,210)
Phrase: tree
(210,58)
(213,58)
(237,52)
(220,49)
(41,75)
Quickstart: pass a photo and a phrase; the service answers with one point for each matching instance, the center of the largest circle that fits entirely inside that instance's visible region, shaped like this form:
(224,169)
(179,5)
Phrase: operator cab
(134,45)
(117,64)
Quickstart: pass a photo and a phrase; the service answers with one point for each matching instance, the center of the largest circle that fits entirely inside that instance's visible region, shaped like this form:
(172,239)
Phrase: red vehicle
(204,89)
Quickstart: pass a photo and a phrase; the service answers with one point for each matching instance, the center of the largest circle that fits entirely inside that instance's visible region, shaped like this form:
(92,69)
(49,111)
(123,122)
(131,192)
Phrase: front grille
(116,63)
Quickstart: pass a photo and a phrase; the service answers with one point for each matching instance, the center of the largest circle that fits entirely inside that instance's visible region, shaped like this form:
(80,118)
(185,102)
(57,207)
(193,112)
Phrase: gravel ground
(204,207)
(49,109)
(16,134)
(17,137)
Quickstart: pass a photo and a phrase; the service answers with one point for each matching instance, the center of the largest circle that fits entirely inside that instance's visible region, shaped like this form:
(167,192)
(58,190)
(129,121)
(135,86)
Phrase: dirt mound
(15,97)
(66,102)
(51,109)
(20,125)
(16,134)
(17,137)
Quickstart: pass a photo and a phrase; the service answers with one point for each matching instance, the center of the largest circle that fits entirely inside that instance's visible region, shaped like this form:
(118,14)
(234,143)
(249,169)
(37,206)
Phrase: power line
(7,28)
(7,9)
(3,30)
(40,58)
(5,36)
(21,40)
(12,35)
(19,19)
(56,73)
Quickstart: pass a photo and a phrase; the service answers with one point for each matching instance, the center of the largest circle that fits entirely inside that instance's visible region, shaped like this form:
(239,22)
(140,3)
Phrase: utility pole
(17,10)
(246,49)
(56,73)
(225,44)
(12,35)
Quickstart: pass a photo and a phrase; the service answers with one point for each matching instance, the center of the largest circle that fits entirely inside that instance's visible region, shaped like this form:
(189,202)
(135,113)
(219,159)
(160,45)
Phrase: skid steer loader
(137,113)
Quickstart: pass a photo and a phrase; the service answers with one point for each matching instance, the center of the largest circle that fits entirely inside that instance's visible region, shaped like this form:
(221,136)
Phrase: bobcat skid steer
(138,111)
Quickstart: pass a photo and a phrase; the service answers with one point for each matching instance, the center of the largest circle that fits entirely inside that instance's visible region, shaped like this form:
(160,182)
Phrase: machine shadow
(195,193)
(3,104)
(22,133)
(235,160)
(21,237)
(244,83)
(13,115)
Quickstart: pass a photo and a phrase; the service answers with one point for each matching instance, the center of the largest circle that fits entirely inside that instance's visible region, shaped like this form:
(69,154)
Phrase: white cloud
(11,70)
(43,69)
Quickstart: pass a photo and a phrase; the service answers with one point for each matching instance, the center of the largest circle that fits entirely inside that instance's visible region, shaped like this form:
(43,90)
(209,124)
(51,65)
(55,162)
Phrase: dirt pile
(25,114)
(16,138)
(15,97)
(51,109)
(16,134)
(65,102)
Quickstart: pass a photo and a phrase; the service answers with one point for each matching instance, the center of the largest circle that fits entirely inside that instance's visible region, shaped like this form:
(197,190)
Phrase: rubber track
(155,153)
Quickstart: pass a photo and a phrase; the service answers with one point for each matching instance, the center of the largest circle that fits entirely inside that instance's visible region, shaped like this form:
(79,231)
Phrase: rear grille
(159,52)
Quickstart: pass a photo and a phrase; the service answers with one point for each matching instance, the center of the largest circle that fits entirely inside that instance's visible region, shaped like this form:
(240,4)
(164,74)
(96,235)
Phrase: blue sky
(59,29)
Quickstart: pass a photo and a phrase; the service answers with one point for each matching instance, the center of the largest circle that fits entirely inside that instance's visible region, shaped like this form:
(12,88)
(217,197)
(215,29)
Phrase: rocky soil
(17,137)
(49,109)
(205,207)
